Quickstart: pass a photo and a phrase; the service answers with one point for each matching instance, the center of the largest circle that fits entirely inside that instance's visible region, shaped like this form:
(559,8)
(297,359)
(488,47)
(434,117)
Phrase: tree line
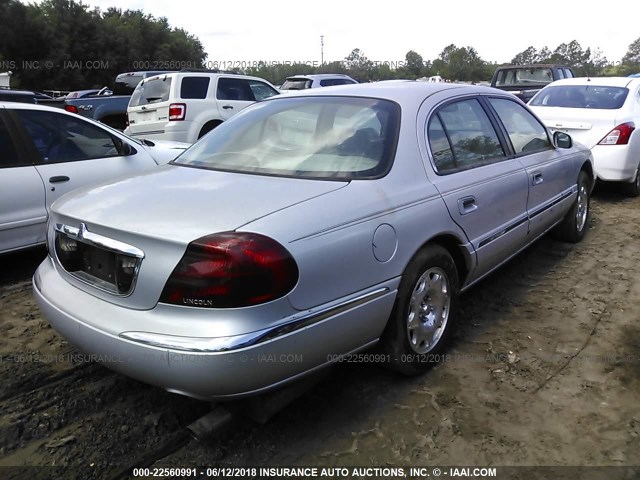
(67,45)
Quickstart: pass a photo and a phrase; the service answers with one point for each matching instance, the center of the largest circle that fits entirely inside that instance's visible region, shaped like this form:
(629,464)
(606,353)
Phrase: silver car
(46,152)
(308,227)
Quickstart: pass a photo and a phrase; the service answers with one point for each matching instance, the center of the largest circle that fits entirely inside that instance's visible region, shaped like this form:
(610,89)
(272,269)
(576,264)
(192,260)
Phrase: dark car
(23,96)
(524,81)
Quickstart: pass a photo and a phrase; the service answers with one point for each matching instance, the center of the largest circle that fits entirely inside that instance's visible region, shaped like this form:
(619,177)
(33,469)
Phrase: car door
(485,191)
(23,215)
(233,94)
(550,175)
(72,152)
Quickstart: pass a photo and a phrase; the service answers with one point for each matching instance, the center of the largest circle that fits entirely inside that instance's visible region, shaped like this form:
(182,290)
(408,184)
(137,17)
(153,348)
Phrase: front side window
(525,132)
(64,138)
(598,97)
(153,90)
(194,87)
(461,136)
(261,90)
(327,138)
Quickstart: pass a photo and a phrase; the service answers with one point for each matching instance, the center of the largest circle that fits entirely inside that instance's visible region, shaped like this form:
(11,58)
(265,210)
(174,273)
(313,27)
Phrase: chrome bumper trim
(236,342)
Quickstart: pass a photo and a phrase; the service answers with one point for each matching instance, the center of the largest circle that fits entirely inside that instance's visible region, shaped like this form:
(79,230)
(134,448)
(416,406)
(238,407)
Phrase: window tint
(234,89)
(472,138)
(261,90)
(525,132)
(581,96)
(8,153)
(328,138)
(194,87)
(63,138)
(330,82)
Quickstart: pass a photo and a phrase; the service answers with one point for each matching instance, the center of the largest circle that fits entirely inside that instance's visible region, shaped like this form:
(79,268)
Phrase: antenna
(321,49)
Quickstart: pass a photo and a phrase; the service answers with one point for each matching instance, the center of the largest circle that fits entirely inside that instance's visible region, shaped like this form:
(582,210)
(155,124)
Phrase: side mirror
(562,140)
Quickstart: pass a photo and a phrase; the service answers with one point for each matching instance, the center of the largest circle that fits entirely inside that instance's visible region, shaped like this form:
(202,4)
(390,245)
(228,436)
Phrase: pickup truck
(110,109)
(524,81)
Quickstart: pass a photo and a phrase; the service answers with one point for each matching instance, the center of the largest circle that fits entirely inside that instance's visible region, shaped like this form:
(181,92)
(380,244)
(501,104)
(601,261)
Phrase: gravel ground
(544,370)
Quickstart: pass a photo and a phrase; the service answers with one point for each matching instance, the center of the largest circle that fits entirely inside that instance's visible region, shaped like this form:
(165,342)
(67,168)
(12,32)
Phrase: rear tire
(574,226)
(423,315)
(633,189)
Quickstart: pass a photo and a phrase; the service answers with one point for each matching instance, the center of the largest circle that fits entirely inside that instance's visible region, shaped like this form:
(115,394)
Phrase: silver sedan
(307,227)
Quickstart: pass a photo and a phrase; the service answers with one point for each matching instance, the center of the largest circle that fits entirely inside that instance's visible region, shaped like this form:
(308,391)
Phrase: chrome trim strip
(225,344)
(23,223)
(97,240)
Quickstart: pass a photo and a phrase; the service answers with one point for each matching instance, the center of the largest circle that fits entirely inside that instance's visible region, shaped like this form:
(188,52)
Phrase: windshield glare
(524,77)
(581,96)
(340,138)
(153,90)
(296,84)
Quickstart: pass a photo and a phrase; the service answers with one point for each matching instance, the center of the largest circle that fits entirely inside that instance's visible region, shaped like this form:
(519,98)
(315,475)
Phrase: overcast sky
(250,30)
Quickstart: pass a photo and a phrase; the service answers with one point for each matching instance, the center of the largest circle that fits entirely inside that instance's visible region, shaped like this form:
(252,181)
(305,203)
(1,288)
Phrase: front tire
(574,226)
(424,313)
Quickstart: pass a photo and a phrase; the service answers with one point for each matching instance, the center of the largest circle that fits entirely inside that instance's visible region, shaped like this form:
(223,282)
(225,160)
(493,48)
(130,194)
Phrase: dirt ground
(544,370)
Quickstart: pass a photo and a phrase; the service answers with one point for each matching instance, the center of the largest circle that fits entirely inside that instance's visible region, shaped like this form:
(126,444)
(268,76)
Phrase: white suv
(183,106)
(302,82)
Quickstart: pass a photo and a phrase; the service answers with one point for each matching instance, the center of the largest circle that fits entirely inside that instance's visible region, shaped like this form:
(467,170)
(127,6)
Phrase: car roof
(35,106)
(16,92)
(401,92)
(206,74)
(601,81)
(537,65)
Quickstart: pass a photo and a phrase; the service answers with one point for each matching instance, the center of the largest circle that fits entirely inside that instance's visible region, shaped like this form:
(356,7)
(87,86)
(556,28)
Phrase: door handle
(227,107)
(536,178)
(467,205)
(58,179)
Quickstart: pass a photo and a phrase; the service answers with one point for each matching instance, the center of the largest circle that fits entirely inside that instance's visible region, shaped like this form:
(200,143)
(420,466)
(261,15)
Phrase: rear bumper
(219,368)
(173,131)
(613,163)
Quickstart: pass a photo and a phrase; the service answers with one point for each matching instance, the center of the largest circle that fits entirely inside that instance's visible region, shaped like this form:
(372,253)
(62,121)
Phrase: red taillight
(71,108)
(177,111)
(229,270)
(619,135)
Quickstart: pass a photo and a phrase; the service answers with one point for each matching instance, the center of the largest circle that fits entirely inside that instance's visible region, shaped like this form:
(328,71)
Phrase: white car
(184,106)
(302,82)
(46,152)
(603,114)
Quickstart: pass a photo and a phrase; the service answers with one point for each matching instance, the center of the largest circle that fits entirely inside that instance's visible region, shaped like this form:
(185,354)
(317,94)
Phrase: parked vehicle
(302,82)
(23,96)
(603,114)
(524,81)
(104,91)
(46,152)
(184,106)
(110,109)
(309,226)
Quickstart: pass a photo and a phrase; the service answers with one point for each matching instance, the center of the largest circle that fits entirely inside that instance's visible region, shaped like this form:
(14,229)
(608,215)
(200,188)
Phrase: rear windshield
(153,90)
(581,96)
(296,84)
(328,138)
(525,77)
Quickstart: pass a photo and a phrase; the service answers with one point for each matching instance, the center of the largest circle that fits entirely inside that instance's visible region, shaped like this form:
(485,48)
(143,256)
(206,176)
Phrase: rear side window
(471,137)
(525,132)
(581,96)
(151,91)
(8,153)
(194,87)
(568,73)
(234,89)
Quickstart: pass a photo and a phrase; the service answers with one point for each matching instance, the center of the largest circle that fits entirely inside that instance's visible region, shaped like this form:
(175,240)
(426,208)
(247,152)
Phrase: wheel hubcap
(583,206)
(428,311)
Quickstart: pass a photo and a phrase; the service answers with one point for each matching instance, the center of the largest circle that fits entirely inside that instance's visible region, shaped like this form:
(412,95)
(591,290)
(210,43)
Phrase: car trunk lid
(587,126)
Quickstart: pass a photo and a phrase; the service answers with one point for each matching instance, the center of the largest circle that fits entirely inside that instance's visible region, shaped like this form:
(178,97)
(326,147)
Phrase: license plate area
(107,269)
